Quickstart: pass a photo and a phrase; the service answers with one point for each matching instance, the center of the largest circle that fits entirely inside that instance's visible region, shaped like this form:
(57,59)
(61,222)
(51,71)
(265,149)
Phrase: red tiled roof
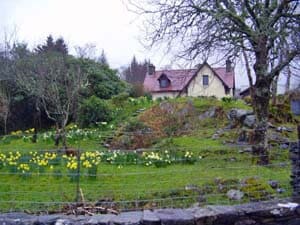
(226,77)
(181,78)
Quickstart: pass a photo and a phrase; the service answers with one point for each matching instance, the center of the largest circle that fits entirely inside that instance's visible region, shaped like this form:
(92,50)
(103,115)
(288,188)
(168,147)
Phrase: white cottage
(204,81)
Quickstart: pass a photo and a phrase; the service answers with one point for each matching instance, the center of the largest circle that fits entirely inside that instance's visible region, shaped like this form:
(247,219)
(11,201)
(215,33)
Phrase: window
(205,80)
(164,83)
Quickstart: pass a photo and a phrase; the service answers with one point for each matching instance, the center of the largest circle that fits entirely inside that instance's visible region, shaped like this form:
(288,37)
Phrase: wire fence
(95,179)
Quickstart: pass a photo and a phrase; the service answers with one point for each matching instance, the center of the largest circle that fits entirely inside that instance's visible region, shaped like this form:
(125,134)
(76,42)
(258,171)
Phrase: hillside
(205,121)
(153,154)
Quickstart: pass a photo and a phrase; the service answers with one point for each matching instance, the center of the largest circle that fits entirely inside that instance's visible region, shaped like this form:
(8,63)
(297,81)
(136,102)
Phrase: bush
(94,110)
(137,90)
(120,99)
(227,99)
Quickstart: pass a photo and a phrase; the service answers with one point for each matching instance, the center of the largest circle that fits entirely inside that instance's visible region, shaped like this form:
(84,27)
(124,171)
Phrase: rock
(100,219)
(249,121)
(276,137)
(220,131)
(284,145)
(283,129)
(246,150)
(280,190)
(270,125)
(210,113)
(273,183)
(246,222)
(150,218)
(294,222)
(233,194)
(215,136)
(132,218)
(63,222)
(106,145)
(175,217)
(47,219)
(238,114)
(283,164)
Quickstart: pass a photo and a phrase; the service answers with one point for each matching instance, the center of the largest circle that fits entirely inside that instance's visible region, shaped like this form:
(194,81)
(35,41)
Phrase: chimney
(151,69)
(228,66)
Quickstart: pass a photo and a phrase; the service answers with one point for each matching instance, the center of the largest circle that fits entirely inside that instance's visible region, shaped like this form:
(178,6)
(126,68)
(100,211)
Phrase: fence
(90,178)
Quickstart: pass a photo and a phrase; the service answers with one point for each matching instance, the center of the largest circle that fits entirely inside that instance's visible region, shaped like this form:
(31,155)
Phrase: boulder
(283,129)
(249,121)
(273,183)
(210,113)
(238,114)
(233,194)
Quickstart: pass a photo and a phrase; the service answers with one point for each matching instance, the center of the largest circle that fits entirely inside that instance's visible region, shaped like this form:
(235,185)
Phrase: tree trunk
(5,124)
(63,131)
(260,103)
(274,90)
(63,137)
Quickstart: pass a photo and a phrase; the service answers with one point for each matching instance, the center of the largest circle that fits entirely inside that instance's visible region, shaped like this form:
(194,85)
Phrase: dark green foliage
(134,125)
(103,81)
(25,69)
(58,45)
(94,110)
(227,99)
(120,99)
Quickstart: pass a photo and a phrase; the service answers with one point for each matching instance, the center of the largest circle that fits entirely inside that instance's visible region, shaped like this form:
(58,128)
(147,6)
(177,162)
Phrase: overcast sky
(105,23)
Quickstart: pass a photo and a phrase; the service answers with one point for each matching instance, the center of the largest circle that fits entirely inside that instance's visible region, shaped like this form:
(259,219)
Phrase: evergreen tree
(58,45)
(135,73)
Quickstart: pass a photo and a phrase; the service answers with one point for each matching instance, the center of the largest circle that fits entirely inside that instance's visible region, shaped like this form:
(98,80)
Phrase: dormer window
(164,81)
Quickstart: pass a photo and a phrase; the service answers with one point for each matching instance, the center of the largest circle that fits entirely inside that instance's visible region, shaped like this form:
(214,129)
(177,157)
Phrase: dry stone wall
(263,213)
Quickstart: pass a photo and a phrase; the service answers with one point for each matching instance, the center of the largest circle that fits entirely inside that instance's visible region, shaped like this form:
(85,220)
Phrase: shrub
(227,99)
(94,110)
(120,99)
(137,90)
(133,135)
(148,96)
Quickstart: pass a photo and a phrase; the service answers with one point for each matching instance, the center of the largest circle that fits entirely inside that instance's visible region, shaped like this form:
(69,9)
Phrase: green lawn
(125,181)
(138,186)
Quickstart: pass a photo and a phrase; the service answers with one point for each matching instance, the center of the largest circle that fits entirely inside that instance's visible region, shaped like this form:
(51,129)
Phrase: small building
(203,81)
(245,93)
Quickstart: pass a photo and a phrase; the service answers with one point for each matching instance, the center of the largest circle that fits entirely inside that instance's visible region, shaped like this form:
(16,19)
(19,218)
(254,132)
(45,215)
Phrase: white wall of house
(215,86)
(157,95)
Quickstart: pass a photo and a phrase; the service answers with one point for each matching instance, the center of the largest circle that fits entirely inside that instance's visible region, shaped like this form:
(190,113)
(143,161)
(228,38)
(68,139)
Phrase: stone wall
(295,173)
(270,213)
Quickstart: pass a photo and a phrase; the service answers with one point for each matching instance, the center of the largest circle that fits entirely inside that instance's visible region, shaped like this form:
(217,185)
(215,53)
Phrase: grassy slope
(137,182)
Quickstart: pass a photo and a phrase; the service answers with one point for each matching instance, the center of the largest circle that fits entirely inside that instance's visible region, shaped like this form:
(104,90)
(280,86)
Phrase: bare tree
(6,70)
(5,101)
(87,51)
(206,27)
(56,80)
